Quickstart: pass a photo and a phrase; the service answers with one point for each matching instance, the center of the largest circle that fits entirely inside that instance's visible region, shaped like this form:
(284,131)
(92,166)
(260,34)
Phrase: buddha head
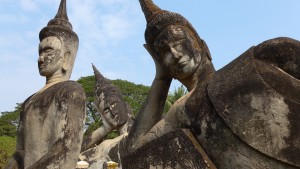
(174,41)
(58,46)
(109,102)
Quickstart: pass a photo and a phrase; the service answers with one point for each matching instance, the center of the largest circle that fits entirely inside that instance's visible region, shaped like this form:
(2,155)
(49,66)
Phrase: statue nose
(177,55)
(41,58)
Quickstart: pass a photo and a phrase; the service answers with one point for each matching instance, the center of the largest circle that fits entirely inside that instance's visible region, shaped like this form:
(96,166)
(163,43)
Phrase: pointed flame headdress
(103,85)
(100,81)
(59,26)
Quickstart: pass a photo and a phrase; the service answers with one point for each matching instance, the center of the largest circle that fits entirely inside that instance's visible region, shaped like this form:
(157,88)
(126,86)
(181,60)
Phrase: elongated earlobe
(66,61)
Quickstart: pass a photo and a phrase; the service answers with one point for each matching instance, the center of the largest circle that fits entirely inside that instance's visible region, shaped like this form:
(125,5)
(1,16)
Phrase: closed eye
(46,50)
(106,109)
(178,42)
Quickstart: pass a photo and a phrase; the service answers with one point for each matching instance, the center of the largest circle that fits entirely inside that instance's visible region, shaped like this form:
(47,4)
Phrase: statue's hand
(162,72)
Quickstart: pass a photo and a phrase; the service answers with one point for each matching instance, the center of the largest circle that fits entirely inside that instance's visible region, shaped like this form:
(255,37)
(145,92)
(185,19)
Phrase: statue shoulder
(72,85)
(71,89)
(260,102)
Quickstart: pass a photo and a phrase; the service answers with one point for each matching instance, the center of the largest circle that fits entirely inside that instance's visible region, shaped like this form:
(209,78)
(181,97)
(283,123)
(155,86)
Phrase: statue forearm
(95,137)
(152,109)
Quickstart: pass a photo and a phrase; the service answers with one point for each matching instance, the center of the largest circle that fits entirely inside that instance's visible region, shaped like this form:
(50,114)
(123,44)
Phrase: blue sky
(111,34)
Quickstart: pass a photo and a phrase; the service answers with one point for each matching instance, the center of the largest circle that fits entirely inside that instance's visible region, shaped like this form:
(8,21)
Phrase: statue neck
(55,78)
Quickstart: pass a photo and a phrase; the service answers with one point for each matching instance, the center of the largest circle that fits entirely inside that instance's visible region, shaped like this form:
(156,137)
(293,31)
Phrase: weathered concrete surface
(108,150)
(177,149)
(51,126)
(259,101)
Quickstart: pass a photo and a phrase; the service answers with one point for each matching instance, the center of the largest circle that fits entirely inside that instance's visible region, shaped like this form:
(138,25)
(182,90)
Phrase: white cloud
(103,22)
(116,27)
(103,28)
(12,18)
(28,5)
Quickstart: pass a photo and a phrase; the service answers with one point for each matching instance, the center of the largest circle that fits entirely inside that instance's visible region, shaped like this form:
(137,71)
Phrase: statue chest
(43,122)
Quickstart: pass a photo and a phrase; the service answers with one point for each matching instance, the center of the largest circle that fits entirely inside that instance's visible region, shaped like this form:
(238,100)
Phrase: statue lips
(182,63)
(41,65)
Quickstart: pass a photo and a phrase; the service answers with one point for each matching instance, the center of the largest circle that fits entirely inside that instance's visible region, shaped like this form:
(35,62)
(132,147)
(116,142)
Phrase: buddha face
(51,59)
(112,108)
(175,49)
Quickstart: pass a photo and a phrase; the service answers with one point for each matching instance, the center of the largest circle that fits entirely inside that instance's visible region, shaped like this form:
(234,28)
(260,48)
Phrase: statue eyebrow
(45,48)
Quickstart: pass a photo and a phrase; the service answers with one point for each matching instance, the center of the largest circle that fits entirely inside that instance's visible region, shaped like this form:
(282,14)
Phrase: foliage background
(7,148)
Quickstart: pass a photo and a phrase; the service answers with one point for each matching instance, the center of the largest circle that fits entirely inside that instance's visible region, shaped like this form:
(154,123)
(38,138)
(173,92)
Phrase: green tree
(9,122)
(173,97)
(93,120)
(7,148)
(133,94)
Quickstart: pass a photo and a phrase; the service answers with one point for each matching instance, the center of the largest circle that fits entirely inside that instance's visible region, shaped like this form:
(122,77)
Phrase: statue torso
(43,119)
